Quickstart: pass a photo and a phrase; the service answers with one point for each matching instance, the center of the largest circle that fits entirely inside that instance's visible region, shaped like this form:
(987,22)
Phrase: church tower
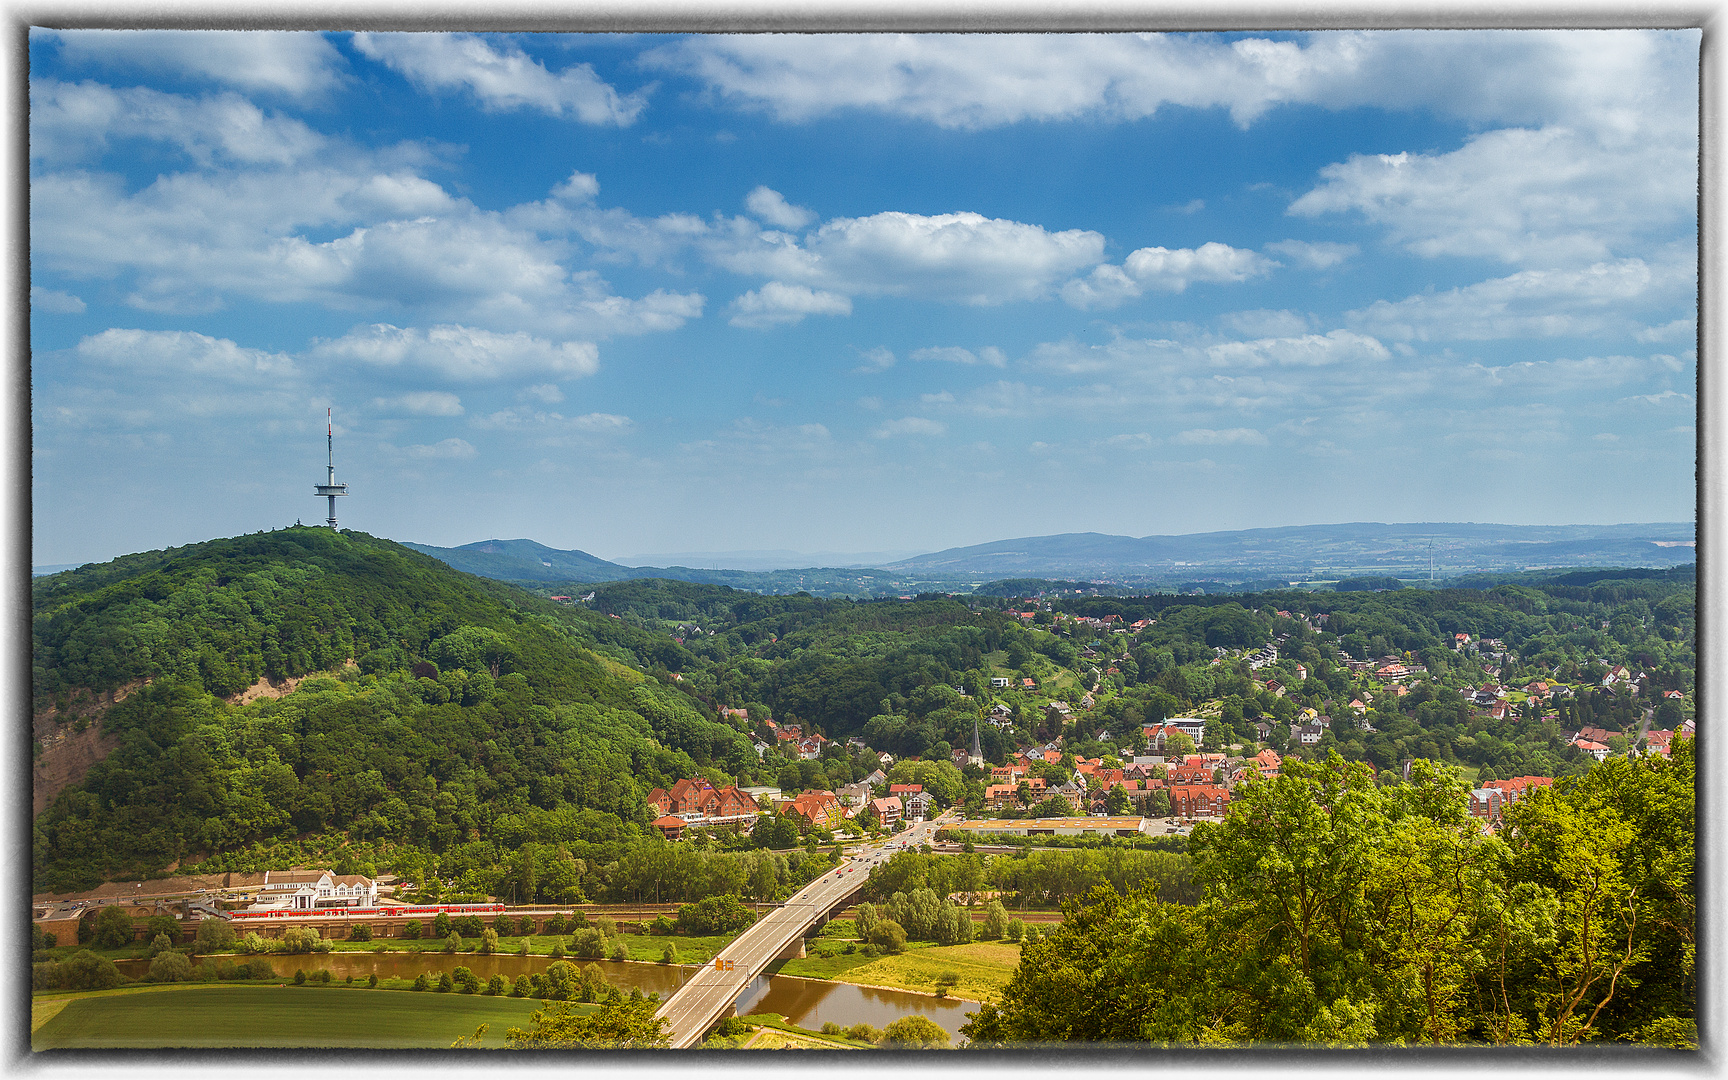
(976,757)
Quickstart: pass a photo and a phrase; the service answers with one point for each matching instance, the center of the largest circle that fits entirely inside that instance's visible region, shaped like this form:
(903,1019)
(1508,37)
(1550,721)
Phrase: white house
(305,890)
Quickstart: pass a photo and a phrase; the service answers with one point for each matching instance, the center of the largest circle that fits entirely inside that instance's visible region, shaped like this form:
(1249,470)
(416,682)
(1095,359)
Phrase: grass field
(276,1016)
(983,968)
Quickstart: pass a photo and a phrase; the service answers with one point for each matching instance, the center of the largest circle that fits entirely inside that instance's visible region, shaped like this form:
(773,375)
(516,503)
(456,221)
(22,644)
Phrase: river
(809,1003)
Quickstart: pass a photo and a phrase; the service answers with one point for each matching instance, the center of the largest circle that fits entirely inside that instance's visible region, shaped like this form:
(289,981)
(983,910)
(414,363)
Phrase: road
(703,1001)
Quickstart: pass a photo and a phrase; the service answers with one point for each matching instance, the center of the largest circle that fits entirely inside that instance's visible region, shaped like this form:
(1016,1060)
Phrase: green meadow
(276,1016)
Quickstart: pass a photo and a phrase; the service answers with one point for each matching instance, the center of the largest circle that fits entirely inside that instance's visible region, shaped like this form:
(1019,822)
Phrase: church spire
(977,755)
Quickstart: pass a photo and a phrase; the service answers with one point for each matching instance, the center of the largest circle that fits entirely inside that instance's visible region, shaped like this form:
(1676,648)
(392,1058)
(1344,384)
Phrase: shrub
(113,927)
(523,950)
(669,955)
(488,941)
(714,915)
(158,945)
(661,926)
(420,982)
(445,983)
(213,936)
(524,926)
(497,985)
(300,939)
(557,950)
(831,1028)
(945,982)
(453,943)
(731,1027)
(87,971)
(560,978)
(411,929)
(372,981)
(1015,930)
(465,980)
(441,925)
(914,1033)
(554,926)
(871,950)
(170,966)
(588,943)
(362,932)
(605,925)
(864,1033)
(522,988)
(578,919)
(505,925)
(45,975)
(322,976)
(299,976)
(888,936)
(620,951)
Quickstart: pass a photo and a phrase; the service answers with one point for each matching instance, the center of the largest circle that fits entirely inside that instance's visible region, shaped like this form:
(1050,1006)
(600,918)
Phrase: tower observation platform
(330,488)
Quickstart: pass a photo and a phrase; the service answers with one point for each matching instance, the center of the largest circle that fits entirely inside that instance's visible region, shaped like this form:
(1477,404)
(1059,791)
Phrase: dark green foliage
(522,727)
(714,915)
(87,971)
(113,927)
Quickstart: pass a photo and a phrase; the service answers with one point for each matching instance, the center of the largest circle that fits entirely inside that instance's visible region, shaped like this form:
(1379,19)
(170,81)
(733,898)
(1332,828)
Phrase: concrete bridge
(712,993)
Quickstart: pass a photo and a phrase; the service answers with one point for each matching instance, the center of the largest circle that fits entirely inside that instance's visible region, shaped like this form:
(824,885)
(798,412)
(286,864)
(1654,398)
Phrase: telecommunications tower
(330,488)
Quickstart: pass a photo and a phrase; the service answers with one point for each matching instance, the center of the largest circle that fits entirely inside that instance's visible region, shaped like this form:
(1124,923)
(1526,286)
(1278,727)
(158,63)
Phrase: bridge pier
(794,950)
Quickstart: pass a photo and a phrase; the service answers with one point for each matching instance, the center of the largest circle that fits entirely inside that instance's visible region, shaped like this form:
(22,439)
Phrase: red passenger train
(429,909)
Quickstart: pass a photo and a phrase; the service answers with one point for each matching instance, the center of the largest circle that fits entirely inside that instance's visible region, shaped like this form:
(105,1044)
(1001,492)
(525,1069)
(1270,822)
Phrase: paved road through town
(703,1001)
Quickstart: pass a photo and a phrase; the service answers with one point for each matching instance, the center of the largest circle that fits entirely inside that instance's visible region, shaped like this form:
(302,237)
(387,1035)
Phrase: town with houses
(1169,785)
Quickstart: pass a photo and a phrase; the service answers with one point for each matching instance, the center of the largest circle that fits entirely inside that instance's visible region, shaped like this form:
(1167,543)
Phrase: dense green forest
(450,722)
(1339,911)
(471,713)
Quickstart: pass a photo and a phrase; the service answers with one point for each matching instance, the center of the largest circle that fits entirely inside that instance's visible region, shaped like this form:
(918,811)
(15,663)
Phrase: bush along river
(809,1003)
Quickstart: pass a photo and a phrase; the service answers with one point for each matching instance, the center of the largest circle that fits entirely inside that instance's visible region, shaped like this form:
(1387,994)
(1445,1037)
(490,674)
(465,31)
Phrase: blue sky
(637,294)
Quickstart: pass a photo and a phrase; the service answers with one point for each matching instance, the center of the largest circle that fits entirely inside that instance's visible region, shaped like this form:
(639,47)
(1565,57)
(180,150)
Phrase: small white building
(307,890)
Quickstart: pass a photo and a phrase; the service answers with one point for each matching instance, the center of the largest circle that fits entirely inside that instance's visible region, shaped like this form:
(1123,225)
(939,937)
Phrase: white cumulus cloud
(1532,303)
(501,77)
(1166,270)
(74,120)
(982,81)
(184,352)
(771,206)
(989,355)
(461,352)
(1224,437)
(911,425)
(1309,350)
(54,301)
(779,304)
(296,64)
(448,449)
(959,258)
(1316,255)
(420,403)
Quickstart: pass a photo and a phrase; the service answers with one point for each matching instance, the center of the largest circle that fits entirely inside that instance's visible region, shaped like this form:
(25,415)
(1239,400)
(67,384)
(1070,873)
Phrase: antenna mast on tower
(330,488)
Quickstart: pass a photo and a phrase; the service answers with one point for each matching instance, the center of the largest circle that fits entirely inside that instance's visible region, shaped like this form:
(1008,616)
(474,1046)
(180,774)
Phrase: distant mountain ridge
(525,560)
(1296,552)
(1303,549)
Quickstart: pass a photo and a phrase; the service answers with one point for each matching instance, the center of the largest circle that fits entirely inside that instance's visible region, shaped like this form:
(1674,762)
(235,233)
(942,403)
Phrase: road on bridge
(703,1001)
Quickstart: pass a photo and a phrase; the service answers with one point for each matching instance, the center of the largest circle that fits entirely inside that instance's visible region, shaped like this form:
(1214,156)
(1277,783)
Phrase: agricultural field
(981,969)
(273,1016)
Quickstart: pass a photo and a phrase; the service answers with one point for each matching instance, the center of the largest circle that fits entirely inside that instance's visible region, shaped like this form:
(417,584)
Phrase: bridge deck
(702,1002)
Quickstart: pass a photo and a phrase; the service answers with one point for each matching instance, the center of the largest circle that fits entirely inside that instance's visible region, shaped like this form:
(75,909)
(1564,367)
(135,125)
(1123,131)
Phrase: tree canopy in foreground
(1341,912)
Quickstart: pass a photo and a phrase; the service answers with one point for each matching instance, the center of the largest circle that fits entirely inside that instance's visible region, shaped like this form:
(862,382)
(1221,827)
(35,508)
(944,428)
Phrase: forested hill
(459,709)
